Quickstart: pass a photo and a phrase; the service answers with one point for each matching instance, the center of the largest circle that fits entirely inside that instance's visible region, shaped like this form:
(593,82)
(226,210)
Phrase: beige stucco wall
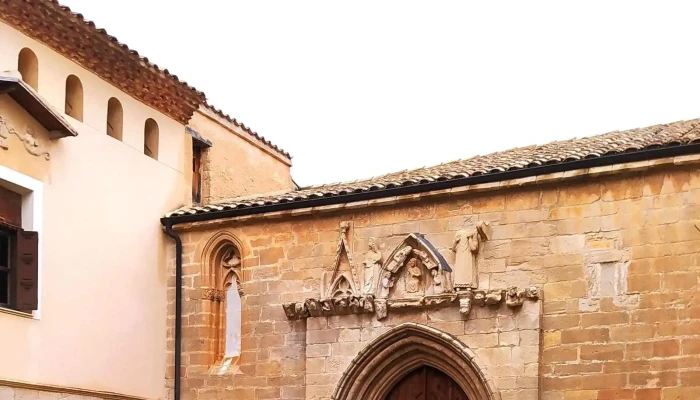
(53,71)
(237,164)
(102,309)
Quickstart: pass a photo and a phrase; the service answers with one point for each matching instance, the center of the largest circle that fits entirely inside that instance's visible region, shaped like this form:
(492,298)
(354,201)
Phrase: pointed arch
(394,354)
(342,287)
(221,260)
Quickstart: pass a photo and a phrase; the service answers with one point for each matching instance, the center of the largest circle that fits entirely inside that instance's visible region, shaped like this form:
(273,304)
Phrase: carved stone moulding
(342,305)
(367,304)
(212,294)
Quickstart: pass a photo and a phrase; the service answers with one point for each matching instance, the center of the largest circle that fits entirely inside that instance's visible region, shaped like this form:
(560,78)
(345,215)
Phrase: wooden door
(426,383)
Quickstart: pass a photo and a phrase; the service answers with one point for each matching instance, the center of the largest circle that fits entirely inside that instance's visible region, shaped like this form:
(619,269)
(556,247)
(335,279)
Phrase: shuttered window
(19,257)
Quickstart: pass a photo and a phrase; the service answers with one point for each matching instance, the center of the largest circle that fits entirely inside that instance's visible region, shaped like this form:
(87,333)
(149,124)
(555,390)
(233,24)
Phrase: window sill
(226,367)
(10,311)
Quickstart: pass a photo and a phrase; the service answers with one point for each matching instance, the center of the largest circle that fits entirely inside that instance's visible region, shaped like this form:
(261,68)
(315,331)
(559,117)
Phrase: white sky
(362,88)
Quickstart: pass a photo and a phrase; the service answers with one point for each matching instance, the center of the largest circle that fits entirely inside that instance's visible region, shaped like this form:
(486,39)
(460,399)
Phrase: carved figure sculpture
(414,274)
(398,259)
(466,247)
(372,263)
(438,287)
(380,308)
(386,284)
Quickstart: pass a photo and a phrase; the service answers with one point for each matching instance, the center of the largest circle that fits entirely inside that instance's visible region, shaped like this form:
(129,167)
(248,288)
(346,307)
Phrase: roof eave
(612,159)
(37,107)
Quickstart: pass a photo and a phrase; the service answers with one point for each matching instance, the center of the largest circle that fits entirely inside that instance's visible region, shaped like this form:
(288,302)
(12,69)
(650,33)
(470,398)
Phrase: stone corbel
(295,310)
(465,302)
(515,298)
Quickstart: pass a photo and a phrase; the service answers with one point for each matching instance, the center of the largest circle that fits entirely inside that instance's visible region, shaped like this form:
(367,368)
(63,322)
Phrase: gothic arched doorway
(426,383)
(390,360)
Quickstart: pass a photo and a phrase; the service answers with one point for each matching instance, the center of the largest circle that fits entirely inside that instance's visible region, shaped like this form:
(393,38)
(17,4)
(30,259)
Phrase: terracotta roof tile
(241,125)
(673,134)
(80,40)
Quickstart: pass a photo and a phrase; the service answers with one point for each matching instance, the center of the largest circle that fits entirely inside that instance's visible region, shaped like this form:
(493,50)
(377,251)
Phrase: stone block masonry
(617,260)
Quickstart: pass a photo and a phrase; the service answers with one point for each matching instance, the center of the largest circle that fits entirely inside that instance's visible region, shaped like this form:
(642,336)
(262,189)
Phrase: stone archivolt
(414,275)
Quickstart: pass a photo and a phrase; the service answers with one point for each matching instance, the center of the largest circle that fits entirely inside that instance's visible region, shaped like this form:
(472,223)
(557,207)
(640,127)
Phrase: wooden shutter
(26,271)
(10,208)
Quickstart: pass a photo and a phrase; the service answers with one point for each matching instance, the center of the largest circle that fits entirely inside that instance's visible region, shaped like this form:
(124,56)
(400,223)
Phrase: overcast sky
(357,89)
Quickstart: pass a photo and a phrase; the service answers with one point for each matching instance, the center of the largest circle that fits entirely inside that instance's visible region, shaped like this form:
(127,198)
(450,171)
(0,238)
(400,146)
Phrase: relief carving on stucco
(415,275)
(28,139)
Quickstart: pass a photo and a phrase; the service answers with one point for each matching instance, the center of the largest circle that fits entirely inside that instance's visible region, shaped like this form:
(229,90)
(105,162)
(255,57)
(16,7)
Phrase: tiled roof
(241,125)
(80,40)
(523,158)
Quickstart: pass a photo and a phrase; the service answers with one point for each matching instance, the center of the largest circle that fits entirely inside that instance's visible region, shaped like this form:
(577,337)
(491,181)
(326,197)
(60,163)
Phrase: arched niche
(74,97)
(28,67)
(150,138)
(115,118)
(403,349)
(221,292)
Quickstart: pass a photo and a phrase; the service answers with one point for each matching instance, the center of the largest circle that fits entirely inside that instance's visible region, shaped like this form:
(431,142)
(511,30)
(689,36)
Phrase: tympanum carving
(28,139)
(414,275)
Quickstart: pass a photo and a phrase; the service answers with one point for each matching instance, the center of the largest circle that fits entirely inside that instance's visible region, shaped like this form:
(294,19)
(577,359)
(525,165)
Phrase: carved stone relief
(466,247)
(414,275)
(372,264)
(31,144)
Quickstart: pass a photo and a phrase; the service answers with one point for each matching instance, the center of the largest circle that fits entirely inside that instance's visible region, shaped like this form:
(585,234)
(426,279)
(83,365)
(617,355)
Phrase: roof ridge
(241,125)
(124,46)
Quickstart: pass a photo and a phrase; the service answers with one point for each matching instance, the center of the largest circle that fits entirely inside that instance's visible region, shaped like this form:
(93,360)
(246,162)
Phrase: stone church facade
(557,272)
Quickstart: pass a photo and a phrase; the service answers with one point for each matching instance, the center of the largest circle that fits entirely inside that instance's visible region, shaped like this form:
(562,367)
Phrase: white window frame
(32,191)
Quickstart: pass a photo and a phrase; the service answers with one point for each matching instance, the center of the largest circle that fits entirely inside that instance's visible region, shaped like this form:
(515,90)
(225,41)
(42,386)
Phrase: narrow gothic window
(221,288)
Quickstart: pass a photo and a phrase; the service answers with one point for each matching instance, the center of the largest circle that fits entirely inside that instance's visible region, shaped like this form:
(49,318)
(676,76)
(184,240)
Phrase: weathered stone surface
(616,259)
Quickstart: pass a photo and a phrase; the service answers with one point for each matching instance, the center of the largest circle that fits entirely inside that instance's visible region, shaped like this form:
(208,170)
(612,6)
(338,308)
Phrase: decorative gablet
(414,275)
(341,291)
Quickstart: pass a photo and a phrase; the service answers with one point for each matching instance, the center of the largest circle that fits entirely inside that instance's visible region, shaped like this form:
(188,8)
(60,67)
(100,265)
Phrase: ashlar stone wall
(616,259)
